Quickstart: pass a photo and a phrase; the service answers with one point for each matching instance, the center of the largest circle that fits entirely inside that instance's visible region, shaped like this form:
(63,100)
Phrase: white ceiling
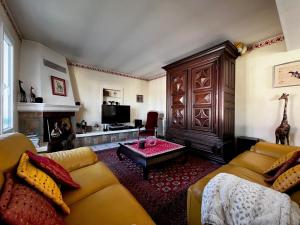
(141,36)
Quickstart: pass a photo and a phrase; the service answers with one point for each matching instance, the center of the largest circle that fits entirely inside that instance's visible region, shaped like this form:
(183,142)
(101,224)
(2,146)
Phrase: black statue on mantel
(32,95)
(283,131)
(22,92)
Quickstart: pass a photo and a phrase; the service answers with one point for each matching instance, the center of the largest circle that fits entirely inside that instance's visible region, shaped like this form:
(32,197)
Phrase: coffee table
(150,156)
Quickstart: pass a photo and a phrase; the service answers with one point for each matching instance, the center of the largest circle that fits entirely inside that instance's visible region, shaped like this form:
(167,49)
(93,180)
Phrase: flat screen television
(112,114)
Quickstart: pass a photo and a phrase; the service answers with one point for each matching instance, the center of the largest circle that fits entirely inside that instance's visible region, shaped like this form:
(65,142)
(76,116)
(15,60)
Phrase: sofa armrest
(74,159)
(272,150)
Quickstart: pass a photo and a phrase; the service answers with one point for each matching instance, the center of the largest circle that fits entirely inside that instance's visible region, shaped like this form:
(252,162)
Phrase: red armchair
(151,125)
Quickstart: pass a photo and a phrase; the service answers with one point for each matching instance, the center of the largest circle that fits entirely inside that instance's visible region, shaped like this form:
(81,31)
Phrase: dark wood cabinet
(200,101)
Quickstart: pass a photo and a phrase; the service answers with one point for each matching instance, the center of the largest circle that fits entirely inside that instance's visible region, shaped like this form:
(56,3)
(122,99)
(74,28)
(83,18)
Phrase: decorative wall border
(99,69)
(157,76)
(266,42)
(122,74)
(11,19)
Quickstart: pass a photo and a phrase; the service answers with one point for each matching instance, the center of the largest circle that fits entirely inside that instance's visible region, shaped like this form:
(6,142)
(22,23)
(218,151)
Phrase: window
(7,86)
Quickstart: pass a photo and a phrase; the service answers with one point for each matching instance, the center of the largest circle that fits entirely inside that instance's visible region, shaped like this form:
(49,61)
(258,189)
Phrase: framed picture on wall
(58,86)
(139,98)
(287,74)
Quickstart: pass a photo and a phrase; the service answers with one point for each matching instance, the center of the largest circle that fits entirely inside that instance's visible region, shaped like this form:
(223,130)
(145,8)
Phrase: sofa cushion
(290,162)
(272,150)
(74,159)
(253,161)
(53,169)
(12,146)
(40,181)
(20,204)
(1,179)
(287,180)
(91,179)
(112,205)
(295,196)
(289,159)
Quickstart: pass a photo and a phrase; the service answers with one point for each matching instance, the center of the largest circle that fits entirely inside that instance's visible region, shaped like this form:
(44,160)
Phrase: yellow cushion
(287,180)
(41,181)
(279,162)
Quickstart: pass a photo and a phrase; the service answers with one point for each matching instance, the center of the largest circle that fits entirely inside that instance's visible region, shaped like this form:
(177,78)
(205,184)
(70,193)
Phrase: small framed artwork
(58,86)
(139,98)
(287,74)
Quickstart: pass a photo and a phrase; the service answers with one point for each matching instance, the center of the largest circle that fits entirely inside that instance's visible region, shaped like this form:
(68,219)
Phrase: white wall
(34,73)
(157,101)
(258,110)
(88,86)
(157,95)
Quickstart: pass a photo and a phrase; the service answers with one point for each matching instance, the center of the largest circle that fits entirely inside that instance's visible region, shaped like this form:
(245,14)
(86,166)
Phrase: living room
(149,112)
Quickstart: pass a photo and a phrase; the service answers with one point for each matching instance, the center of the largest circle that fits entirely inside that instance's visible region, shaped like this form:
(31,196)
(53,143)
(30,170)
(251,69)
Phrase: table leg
(145,173)
(185,156)
(119,153)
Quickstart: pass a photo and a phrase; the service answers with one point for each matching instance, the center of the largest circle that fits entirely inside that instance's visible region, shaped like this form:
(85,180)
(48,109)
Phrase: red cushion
(287,165)
(53,169)
(20,205)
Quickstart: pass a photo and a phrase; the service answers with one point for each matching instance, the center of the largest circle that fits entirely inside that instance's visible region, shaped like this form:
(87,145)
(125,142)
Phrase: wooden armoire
(200,101)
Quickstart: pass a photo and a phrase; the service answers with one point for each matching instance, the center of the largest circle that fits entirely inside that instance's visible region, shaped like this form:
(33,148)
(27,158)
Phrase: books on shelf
(34,139)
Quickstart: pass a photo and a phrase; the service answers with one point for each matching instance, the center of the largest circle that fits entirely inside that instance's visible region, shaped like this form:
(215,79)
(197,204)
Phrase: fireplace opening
(59,131)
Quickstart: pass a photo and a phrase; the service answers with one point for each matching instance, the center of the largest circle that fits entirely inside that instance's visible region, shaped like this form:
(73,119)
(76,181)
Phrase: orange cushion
(279,162)
(287,180)
(288,164)
(41,181)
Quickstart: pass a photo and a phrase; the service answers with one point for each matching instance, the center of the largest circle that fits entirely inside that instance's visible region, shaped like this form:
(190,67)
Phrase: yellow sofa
(101,198)
(248,165)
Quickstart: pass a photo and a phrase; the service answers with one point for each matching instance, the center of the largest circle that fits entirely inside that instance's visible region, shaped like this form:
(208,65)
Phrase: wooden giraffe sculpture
(282,132)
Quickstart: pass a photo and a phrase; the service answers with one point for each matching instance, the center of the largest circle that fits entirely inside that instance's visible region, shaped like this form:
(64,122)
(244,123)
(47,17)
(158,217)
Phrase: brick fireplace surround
(39,118)
(42,123)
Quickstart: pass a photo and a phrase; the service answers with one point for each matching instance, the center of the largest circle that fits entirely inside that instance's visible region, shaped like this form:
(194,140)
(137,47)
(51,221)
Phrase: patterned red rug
(164,194)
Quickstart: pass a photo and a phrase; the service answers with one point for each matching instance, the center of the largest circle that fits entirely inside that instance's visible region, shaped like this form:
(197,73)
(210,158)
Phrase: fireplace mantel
(44,107)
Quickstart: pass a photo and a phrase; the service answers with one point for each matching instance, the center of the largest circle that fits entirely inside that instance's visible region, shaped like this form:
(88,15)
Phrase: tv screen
(115,114)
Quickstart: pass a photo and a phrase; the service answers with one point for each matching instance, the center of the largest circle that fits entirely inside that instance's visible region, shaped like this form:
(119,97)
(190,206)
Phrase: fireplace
(58,130)
(55,129)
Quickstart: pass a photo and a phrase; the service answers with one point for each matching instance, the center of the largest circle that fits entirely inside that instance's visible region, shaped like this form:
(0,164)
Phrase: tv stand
(113,127)
(104,137)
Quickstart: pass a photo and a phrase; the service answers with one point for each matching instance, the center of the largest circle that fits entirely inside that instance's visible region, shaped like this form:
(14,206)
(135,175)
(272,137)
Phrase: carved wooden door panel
(178,89)
(203,85)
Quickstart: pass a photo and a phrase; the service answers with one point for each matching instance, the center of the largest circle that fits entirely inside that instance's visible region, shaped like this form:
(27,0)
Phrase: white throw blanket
(230,200)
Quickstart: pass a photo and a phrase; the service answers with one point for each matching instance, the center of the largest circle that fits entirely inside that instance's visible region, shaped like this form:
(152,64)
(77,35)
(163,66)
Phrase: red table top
(161,147)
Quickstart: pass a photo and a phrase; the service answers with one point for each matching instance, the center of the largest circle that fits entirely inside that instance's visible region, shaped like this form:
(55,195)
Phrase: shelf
(110,97)
(44,107)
